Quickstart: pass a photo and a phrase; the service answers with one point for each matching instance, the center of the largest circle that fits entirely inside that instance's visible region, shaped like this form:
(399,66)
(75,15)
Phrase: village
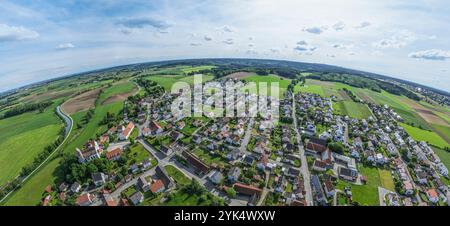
(312,156)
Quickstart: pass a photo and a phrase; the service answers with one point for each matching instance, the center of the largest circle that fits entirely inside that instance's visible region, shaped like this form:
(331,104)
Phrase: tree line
(26,108)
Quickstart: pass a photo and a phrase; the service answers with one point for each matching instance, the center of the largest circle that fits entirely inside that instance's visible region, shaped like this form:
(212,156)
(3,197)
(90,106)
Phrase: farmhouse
(90,151)
(127,131)
(114,154)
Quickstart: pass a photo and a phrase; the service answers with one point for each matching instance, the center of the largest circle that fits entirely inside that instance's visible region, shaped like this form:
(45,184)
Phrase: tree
(231,192)
(336,147)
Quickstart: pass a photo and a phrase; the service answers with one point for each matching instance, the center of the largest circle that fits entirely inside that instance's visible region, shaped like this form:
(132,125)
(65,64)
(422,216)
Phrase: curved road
(68,128)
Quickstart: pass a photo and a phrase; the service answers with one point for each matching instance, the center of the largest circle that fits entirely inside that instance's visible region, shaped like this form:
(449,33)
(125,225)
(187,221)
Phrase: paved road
(304,167)
(247,136)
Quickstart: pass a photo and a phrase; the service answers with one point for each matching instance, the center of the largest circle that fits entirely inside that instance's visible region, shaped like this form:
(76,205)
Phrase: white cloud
(431,54)
(274,50)
(65,46)
(227,28)
(228,41)
(303,46)
(339,26)
(314,30)
(342,46)
(207,38)
(195,44)
(12,33)
(362,25)
(399,39)
(251,44)
(143,22)
(251,52)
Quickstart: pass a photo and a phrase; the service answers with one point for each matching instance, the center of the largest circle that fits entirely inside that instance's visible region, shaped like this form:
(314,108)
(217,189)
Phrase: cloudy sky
(45,39)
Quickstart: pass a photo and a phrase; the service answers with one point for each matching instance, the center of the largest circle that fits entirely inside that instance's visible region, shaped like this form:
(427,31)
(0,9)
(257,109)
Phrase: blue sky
(46,39)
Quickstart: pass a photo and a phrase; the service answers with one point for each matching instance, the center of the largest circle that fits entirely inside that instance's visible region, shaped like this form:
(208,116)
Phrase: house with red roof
(125,134)
(157,186)
(85,199)
(246,189)
(114,154)
(433,195)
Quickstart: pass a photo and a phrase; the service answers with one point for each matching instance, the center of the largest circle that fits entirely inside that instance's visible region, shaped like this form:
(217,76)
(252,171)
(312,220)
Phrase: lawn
(424,135)
(206,157)
(386,179)
(365,194)
(23,137)
(181,198)
(138,154)
(177,175)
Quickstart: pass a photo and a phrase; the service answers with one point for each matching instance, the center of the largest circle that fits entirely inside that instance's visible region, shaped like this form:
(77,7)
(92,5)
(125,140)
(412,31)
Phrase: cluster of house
(93,149)
(157,183)
(377,140)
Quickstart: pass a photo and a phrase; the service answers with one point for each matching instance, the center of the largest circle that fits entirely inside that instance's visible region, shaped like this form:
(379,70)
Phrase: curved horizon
(80,73)
(48,39)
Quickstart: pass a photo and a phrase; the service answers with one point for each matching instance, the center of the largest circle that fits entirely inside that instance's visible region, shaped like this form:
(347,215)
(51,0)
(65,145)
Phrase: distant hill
(244,62)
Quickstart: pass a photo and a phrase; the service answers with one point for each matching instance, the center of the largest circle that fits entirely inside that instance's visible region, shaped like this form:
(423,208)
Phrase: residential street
(304,163)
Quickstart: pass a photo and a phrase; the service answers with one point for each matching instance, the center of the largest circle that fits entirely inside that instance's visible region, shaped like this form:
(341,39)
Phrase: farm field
(189,69)
(352,109)
(444,156)
(117,92)
(166,81)
(424,135)
(23,137)
(269,79)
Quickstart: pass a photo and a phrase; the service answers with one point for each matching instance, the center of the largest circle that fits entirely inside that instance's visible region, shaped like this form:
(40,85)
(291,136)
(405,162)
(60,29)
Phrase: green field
(166,81)
(189,69)
(269,79)
(23,137)
(424,135)
(352,109)
(314,89)
(177,175)
(444,156)
(117,88)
